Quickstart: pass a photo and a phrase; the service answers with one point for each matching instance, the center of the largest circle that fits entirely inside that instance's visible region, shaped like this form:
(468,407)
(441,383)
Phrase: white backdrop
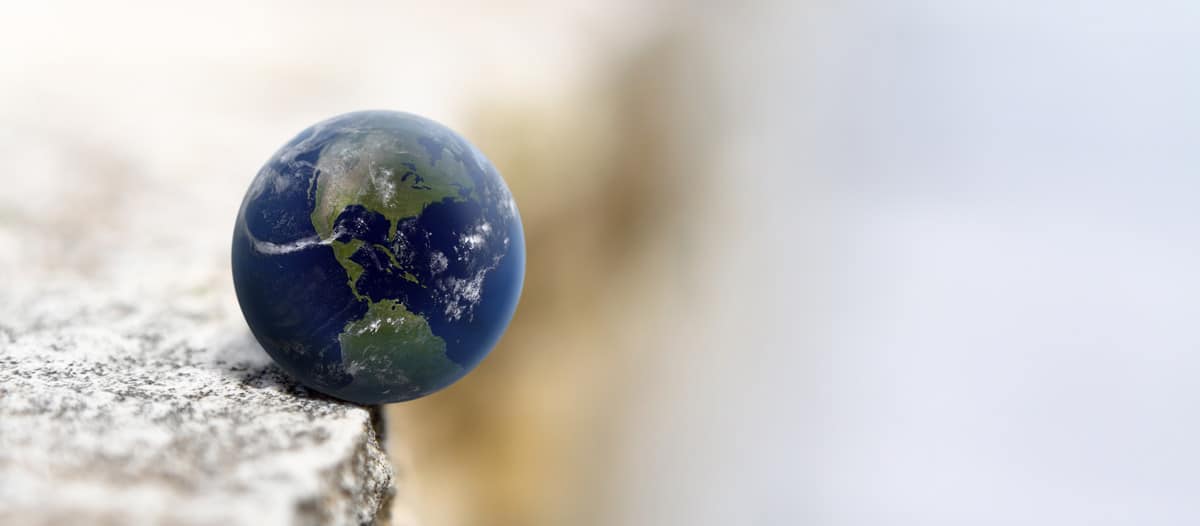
(964,287)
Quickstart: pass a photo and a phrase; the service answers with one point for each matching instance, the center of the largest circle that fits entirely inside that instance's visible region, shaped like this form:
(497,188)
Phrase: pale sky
(965,291)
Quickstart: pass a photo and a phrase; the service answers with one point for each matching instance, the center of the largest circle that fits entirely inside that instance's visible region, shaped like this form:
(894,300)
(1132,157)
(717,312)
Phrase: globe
(378,257)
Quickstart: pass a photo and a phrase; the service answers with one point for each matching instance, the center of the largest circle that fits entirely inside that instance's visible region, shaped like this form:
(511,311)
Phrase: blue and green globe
(378,257)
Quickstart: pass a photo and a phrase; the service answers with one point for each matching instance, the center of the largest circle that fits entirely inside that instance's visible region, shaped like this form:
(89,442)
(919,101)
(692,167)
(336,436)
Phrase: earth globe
(378,257)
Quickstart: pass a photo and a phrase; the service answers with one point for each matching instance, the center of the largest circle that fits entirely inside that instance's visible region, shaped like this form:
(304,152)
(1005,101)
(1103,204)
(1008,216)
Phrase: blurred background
(798,262)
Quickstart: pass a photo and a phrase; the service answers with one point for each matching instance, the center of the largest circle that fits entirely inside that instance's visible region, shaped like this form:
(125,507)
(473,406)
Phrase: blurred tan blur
(602,187)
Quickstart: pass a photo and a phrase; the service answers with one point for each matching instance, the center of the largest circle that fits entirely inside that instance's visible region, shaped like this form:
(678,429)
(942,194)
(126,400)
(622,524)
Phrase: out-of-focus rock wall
(604,188)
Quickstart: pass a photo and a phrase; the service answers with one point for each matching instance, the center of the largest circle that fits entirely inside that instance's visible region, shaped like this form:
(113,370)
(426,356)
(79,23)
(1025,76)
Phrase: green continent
(391,345)
(343,251)
(386,173)
(392,174)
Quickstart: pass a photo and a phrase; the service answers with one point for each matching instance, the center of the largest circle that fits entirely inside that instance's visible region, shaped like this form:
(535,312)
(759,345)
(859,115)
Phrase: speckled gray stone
(118,410)
(131,390)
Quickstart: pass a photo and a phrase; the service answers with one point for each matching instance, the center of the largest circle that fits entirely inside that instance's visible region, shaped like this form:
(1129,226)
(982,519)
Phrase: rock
(119,410)
(131,390)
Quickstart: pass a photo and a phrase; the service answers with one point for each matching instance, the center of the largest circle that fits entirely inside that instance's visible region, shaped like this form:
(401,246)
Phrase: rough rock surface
(131,390)
(117,412)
